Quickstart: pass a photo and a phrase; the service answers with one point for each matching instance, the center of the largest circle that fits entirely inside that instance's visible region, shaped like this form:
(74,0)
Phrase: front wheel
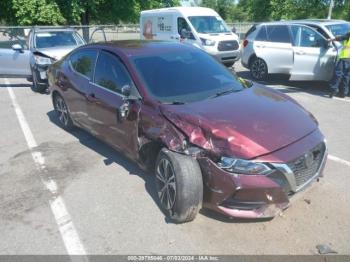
(258,69)
(62,112)
(179,185)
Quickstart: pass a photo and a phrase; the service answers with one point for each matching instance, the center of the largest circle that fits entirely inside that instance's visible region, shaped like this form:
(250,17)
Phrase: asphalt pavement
(68,193)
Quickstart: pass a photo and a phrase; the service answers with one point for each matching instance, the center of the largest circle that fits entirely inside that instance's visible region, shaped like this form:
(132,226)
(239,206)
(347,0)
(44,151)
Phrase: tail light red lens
(245,43)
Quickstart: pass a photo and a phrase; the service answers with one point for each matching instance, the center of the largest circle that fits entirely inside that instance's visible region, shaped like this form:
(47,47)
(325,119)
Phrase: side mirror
(17,47)
(126,90)
(184,33)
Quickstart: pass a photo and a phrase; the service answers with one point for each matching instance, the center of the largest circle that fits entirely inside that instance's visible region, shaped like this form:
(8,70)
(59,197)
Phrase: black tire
(182,194)
(258,69)
(229,64)
(36,87)
(62,112)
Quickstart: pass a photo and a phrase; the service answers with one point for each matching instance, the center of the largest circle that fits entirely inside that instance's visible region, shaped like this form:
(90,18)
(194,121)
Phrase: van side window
(262,35)
(181,25)
(278,33)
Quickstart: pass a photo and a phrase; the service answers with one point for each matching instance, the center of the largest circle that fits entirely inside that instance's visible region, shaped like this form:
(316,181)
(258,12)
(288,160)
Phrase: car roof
(186,11)
(142,47)
(306,21)
(54,30)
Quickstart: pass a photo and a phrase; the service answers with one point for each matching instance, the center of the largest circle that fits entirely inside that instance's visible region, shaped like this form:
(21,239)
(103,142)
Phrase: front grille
(307,165)
(228,45)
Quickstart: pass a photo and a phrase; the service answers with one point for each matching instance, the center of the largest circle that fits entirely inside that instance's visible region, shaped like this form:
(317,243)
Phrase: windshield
(208,24)
(57,39)
(339,29)
(184,76)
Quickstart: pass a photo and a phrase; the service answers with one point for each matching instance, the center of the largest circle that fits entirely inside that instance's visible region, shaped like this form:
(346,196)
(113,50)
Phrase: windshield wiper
(224,93)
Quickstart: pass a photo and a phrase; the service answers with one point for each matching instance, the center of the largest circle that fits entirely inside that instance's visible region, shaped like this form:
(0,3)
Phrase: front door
(314,58)
(13,62)
(105,103)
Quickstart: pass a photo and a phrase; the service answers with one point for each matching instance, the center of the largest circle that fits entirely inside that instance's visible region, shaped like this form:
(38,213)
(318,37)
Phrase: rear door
(105,102)
(273,44)
(12,62)
(314,58)
(75,82)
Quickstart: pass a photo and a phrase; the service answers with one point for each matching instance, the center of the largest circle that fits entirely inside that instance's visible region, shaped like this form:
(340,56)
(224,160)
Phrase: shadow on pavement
(282,83)
(16,85)
(111,156)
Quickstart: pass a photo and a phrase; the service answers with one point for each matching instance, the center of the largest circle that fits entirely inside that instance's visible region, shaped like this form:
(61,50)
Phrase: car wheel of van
(62,112)
(179,185)
(258,69)
(36,87)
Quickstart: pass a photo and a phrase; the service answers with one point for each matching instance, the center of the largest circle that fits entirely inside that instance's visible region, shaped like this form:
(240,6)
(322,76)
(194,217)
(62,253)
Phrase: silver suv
(30,57)
(289,47)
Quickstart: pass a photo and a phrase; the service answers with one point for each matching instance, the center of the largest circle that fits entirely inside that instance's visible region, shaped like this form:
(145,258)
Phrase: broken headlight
(246,167)
(40,60)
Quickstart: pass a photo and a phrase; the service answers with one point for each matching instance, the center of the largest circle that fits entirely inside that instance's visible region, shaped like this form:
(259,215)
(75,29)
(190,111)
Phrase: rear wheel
(62,112)
(258,69)
(179,185)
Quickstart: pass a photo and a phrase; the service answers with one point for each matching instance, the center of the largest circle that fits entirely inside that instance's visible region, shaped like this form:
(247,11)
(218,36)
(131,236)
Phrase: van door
(314,58)
(183,26)
(273,44)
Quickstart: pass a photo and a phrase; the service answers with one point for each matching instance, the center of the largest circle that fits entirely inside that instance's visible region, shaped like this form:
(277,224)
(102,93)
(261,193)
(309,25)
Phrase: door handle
(260,46)
(92,98)
(300,52)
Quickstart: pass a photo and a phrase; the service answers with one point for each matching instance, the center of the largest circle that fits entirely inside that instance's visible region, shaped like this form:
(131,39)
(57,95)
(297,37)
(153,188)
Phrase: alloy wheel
(62,110)
(259,69)
(166,184)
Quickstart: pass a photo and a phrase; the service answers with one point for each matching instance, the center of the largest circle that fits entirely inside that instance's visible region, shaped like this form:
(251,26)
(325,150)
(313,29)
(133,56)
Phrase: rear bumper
(253,197)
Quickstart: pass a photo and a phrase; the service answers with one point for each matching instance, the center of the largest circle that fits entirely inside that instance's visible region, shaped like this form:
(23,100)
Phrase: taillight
(245,43)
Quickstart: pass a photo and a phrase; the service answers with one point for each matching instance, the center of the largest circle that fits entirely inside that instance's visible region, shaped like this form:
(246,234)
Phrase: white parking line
(64,221)
(339,160)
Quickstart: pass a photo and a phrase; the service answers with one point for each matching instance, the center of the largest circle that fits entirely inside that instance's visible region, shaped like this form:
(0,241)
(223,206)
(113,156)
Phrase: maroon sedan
(210,140)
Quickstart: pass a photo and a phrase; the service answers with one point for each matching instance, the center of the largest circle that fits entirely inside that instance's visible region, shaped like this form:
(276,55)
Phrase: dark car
(209,140)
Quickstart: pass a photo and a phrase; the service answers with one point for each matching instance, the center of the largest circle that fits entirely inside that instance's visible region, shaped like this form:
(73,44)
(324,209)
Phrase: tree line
(267,10)
(64,12)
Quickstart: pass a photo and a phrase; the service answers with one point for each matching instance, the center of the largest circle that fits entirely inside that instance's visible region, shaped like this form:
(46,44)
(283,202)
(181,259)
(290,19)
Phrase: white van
(202,27)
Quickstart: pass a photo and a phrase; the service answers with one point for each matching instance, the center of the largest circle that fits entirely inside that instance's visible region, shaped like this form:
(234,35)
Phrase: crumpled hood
(246,124)
(56,52)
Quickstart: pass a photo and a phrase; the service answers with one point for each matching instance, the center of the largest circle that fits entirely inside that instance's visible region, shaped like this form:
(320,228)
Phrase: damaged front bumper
(259,196)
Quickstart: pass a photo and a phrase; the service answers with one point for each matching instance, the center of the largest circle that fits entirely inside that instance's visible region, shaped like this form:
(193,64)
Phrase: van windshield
(208,24)
(184,76)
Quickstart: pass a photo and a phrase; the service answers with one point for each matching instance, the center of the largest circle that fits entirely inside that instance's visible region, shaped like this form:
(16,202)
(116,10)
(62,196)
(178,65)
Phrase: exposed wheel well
(149,153)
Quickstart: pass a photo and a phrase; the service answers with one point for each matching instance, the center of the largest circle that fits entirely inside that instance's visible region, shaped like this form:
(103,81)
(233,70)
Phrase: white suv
(289,48)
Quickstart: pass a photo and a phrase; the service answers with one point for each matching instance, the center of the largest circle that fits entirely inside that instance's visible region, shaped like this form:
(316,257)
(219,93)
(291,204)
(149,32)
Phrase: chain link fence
(96,33)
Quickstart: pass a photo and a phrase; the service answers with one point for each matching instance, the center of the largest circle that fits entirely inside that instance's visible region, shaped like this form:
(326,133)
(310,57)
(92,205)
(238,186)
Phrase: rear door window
(278,33)
(83,62)
(262,35)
